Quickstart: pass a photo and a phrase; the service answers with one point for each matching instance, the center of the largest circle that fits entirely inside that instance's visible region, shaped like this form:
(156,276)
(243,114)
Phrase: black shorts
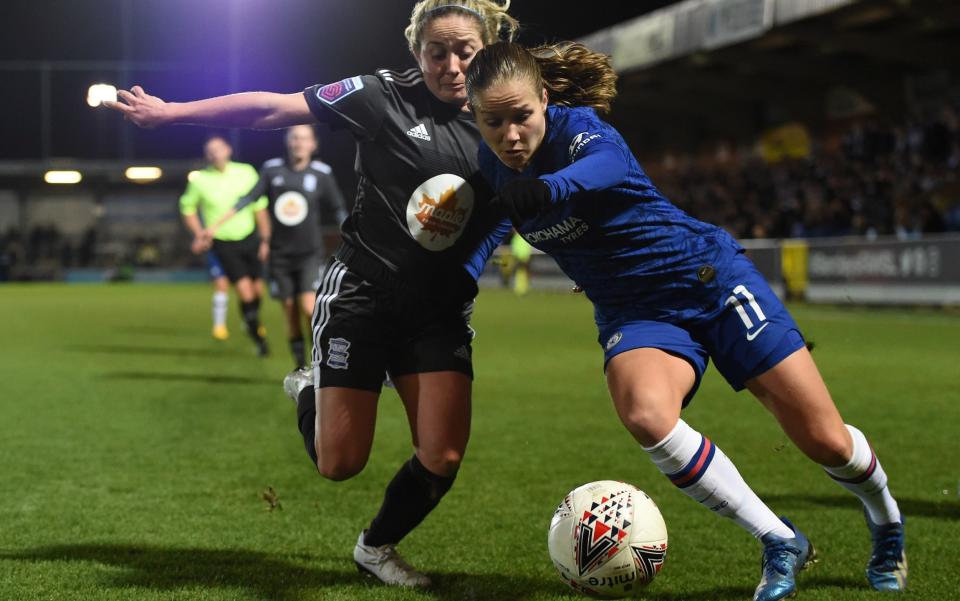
(239,258)
(363,330)
(294,275)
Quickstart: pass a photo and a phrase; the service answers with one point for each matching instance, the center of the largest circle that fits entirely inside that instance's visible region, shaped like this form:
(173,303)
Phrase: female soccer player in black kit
(395,298)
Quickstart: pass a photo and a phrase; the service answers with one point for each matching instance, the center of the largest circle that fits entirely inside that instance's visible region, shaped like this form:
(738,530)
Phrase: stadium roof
(883,57)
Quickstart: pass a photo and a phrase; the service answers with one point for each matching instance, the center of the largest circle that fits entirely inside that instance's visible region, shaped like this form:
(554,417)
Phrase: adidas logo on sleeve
(420,131)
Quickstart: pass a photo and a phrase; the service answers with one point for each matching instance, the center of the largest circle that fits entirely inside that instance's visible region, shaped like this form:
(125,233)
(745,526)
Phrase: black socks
(298,350)
(250,312)
(410,496)
(307,420)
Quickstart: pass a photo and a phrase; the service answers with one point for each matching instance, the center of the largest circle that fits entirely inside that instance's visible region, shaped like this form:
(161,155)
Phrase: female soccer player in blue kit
(669,292)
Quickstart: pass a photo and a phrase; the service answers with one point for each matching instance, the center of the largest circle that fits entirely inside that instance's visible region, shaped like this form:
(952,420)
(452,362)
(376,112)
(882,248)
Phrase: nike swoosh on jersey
(750,336)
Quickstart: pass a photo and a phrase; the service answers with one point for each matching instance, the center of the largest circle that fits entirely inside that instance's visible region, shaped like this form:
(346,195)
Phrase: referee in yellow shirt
(212,192)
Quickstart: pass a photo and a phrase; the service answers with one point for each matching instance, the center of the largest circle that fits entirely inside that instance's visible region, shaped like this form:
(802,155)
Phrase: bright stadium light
(143,174)
(62,177)
(99,92)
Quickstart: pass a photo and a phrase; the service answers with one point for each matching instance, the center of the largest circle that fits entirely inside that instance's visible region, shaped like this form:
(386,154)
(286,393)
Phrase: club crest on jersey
(438,211)
(333,92)
(338,354)
(579,141)
(614,340)
(290,208)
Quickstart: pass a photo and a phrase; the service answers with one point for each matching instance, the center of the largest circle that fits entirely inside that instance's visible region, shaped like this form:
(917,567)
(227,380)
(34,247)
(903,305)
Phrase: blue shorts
(214,267)
(745,329)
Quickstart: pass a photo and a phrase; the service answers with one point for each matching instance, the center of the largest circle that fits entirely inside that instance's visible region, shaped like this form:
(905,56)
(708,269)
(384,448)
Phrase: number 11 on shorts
(737,303)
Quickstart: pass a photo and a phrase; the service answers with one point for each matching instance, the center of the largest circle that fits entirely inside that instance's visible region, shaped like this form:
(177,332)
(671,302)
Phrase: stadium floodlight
(143,174)
(62,177)
(99,92)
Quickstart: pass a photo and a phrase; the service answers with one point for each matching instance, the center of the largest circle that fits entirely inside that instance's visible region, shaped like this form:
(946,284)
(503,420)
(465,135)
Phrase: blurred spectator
(898,180)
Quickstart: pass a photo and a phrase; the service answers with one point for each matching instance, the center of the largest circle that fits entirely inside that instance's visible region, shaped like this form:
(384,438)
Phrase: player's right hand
(139,107)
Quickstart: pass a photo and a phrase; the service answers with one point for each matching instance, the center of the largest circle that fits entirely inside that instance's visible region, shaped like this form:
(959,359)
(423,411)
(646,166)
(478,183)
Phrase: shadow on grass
(171,568)
(805,582)
(266,576)
(181,377)
(945,510)
(716,594)
(810,582)
(164,351)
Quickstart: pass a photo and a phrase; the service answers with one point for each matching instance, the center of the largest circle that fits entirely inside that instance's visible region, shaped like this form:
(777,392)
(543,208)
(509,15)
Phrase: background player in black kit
(299,191)
(396,296)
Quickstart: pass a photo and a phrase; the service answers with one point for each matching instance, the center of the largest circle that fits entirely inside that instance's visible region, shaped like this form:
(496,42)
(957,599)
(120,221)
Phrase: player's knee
(443,462)
(830,448)
(338,469)
(648,416)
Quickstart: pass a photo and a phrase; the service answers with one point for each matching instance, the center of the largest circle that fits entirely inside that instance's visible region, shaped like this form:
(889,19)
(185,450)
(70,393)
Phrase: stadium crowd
(879,180)
(874,180)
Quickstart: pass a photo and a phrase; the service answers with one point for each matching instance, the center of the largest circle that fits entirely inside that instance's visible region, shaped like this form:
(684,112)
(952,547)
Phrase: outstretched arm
(255,193)
(251,110)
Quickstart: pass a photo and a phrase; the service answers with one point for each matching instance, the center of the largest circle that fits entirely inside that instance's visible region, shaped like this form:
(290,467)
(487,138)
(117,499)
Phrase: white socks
(864,477)
(705,474)
(220,308)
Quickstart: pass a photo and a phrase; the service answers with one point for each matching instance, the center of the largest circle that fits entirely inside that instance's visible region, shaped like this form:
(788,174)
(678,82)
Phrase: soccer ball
(607,539)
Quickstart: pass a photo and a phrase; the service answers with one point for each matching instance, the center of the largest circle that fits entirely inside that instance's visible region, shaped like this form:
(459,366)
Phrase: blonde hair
(495,23)
(573,74)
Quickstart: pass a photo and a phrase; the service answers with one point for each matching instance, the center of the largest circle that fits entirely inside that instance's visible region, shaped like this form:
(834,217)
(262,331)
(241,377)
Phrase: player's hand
(524,198)
(263,253)
(139,107)
(200,244)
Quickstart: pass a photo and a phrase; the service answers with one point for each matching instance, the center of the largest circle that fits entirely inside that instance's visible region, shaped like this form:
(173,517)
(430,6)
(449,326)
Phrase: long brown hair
(495,23)
(573,74)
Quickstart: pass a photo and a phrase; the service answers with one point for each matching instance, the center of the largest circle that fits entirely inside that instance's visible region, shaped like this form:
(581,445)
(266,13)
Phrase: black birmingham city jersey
(298,202)
(422,206)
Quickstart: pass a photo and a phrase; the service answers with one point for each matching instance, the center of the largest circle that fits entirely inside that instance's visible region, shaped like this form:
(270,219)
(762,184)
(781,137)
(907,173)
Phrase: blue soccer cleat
(782,559)
(887,570)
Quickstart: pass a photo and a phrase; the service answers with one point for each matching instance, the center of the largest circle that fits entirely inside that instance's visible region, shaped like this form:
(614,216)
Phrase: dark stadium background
(865,81)
(180,50)
(185,49)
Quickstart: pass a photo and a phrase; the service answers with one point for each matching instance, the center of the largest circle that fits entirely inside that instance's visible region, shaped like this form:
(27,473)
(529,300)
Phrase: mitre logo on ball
(607,539)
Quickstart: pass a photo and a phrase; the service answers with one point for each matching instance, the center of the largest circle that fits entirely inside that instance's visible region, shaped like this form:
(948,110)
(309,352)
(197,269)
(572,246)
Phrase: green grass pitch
(135,450)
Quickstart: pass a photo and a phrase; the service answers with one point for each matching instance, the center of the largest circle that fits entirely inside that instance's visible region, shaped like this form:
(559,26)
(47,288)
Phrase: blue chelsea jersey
(609,229)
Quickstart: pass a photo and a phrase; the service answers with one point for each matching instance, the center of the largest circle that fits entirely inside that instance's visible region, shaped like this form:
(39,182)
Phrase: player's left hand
(524,198)
(263,253)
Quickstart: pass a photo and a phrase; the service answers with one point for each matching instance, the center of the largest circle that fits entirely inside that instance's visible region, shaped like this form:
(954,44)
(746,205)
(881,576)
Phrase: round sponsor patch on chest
(290,208)
(438,211)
